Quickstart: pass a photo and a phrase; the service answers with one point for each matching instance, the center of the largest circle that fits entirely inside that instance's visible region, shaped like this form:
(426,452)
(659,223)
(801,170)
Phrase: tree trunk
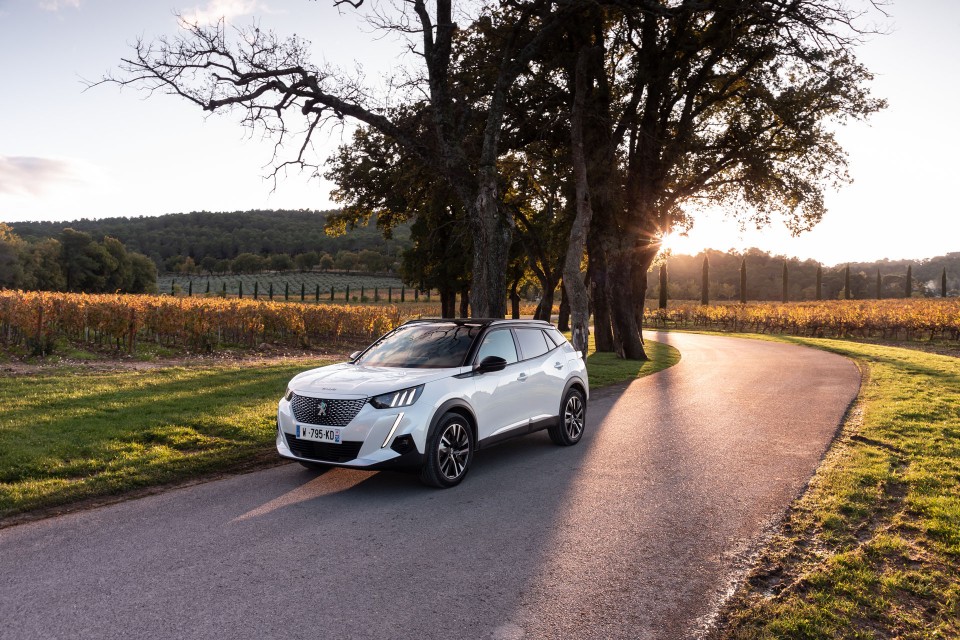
(597,276)
(563,319)
(705,281)
(662,303)
(515,299)
(448,301)
(464,302)
(620,255)
(577,292)
(492,236)
(545,308)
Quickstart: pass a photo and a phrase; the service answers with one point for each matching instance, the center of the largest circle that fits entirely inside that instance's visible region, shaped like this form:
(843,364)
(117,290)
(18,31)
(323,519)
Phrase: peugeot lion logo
(321,408)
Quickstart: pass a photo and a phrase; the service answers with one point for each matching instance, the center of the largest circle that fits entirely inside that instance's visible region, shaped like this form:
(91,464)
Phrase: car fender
(453,403)
(574,379)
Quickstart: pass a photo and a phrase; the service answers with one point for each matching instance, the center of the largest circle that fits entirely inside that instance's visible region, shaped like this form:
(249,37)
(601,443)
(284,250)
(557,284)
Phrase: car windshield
(422,346)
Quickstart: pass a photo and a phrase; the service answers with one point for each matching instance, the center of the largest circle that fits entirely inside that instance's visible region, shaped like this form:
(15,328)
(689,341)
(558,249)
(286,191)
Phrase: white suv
(430,393)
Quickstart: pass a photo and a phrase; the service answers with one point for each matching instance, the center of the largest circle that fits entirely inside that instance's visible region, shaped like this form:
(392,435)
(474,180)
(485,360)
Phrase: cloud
(56,5)
(225,9)
(23,175)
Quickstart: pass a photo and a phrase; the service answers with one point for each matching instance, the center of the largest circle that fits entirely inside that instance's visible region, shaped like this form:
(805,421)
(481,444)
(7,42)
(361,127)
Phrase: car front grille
(329,413)
(323,451)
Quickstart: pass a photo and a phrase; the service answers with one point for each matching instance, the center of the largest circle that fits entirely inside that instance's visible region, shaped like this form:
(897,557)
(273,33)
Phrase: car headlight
(288,394)
(395,399)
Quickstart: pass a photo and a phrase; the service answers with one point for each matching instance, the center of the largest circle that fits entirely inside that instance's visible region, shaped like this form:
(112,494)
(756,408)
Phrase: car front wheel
(449,452)
(573,419)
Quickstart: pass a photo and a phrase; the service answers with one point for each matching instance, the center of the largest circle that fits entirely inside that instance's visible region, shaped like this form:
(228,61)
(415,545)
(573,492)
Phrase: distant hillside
(224,236)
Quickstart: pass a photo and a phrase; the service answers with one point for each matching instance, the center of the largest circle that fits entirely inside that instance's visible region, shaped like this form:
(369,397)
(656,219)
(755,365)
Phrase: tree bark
(572,277)
(492,236)
(464,302)
(563,319)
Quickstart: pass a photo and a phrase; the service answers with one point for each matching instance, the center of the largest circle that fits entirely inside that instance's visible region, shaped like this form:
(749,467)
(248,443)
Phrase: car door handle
(522,377)
(557,365)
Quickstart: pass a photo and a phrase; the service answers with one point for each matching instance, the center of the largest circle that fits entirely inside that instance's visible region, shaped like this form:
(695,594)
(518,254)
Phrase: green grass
(606,368)
(872,549)
(70,436)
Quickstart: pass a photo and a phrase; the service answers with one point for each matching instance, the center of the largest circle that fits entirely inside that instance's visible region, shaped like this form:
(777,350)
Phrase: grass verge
(872,549)
(69,436)
(606,368)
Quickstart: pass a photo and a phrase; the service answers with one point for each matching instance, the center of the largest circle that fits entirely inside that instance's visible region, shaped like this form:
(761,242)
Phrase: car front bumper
(374,439)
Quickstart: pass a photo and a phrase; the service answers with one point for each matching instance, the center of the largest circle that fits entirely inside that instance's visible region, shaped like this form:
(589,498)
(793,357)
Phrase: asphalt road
(637,532)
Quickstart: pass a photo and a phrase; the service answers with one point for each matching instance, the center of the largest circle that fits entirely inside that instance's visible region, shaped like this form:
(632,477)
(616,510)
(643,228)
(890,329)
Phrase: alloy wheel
(573,417)
(454,449)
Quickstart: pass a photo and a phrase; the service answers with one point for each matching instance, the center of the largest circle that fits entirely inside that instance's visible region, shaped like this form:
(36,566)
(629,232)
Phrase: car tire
(571,421)
(449,452)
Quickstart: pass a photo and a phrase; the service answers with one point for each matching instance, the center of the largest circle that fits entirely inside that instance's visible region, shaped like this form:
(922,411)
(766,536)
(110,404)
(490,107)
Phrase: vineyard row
(905,319)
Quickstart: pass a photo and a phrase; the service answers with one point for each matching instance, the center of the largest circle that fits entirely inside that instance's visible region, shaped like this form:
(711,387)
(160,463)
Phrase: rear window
(422,346)
(532,343)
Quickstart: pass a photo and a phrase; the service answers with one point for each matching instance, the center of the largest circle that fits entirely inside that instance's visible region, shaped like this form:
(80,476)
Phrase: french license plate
(318,434)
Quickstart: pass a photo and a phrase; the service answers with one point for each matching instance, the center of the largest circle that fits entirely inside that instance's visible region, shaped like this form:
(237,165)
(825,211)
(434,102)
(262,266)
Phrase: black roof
(479,321)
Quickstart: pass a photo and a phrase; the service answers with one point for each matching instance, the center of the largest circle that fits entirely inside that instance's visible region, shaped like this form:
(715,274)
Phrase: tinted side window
(532,343)
(556,336)
(498,343)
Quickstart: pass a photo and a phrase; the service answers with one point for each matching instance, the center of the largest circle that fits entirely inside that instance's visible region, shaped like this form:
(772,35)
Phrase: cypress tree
(347,293)
(190,289)
(705,281)
(879,285)
(240,289)
(362,292)
(846,283)
(786,283)
(663,286)
(376,294)
(208,285)
(286,290)
(908,287)
(943,283)
(318,293)
(270,293)
(819,282)
(332,291)
(256,290)
(743,281)
(303,291)
(173,287)
(224,283)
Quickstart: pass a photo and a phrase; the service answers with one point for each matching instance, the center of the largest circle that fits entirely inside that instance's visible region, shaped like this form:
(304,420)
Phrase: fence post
(347,293)
(318,293)
(240,289)
(256,290)
(286,291)
(390,295)
(332,289)
(402,290)
(303,291)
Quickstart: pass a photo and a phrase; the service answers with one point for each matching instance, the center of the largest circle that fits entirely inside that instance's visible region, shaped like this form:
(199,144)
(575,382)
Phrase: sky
(69,152)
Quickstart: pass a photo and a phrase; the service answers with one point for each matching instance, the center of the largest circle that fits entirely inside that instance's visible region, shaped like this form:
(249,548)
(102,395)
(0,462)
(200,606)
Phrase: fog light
(403,444)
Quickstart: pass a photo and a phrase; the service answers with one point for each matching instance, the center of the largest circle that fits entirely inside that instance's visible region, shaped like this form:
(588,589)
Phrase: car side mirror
(355,355)
(491,363)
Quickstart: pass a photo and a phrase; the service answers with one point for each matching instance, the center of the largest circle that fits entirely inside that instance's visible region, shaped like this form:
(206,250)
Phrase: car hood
(359,380)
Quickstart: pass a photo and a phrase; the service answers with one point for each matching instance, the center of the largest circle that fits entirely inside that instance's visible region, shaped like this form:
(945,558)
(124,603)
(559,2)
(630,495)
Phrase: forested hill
(224,235)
